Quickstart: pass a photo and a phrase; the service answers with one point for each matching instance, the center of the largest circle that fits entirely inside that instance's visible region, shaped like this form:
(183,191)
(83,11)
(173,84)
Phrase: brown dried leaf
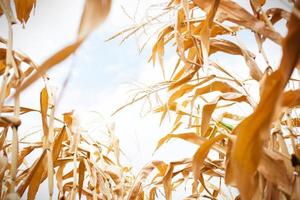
(3,137)
(44,109)
(291,98)
(231,11)
(135,190)
(68,119)
(189,137)
(295,122)
(255,71)
(59,178)
(152,193)
(81,178)
(213,87)
(253,131)
(27,150)
(3,166)
(276,14)
(184,79)
(205,31)
(38,171)
(23,9)
(6,121)
(209,108)
(2,60)
(226,46)
(186,88)
(201,154)
(278,170)
(34,176)
(167,182)
(10,109)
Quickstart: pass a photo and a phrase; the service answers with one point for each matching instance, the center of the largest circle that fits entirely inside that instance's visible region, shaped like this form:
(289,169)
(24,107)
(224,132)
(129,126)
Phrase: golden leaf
(44,109)
(209,108)
(231,11)
(201,154)
(167,182)
(252,132)
(23,9)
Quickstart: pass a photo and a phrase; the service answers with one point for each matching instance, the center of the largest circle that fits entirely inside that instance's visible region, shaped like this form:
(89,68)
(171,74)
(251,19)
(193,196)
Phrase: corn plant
(257,153)
(64,156)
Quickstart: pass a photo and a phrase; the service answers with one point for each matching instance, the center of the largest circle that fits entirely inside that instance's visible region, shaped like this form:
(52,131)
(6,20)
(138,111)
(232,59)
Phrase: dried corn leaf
(231,11)
(209,108)
(12,121)
(81,178)
(220,86)
(23,9)
(44,109)
(26,151)
(152,193)
(38,172)
(10,109)
(247,149)
(135,190)
(276,14)
(3,137)
(186,88)
(167,182)
(189,137)
(205,31)
(216,30)
(255,72)
(295,122)
(33,178)
(59,178)
(276,170)
(2,60)
(201,154)
(68,119)
(226,46)
(184,79)
(291,98)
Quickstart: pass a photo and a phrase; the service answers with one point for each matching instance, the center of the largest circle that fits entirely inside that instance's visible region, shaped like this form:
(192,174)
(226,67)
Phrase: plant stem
(50,141)
(5,5)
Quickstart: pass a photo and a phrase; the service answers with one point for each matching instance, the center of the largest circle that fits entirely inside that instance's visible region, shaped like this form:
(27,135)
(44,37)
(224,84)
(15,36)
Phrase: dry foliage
(75,163)
(257,153)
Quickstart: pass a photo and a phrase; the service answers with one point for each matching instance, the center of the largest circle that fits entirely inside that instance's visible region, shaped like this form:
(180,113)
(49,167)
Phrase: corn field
(254,154)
